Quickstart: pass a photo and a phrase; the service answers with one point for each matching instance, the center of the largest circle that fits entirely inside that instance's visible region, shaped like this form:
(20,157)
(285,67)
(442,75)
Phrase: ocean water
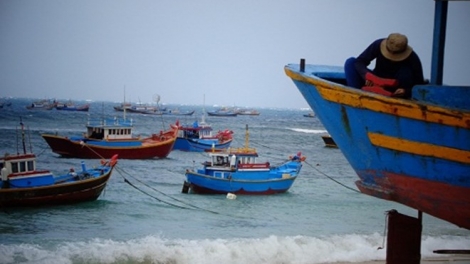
(321,219)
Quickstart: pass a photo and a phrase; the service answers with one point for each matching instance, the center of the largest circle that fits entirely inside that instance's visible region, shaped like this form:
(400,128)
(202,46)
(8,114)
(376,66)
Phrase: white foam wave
(309,131)
(272,249)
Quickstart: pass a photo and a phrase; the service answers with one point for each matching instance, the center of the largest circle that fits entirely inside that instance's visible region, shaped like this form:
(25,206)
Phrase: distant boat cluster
(227,111)
(53,104)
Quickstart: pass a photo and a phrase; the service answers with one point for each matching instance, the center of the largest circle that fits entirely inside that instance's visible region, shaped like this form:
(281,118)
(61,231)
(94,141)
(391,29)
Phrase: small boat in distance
(70,106)
(311,114)
(106,137)
(177,112)
(224,111)
(23,185)
(243,111)
(237,171)
(42,105)
(329,142)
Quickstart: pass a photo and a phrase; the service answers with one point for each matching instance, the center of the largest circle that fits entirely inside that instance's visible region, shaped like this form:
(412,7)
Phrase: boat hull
(67,147)
(200,145)
(203,184)
(65,193)
(72,108)
(407,151)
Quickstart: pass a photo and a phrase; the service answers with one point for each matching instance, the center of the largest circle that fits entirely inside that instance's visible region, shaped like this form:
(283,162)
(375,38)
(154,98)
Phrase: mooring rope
(191,207)
(162,193)
(313,167)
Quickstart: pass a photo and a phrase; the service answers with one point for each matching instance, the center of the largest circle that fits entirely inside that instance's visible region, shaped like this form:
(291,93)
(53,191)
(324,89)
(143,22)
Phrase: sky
(212,52)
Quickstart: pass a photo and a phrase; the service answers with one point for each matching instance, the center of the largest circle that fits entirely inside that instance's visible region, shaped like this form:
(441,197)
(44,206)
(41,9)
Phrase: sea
(144,217)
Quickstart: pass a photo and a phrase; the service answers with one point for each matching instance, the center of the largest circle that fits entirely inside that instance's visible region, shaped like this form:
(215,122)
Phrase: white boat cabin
(232,160)
(110,129)
(17,164)
(198,130)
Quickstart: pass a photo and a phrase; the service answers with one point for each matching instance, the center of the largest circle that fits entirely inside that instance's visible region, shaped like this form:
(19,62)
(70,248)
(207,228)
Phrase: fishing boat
(329,142)
(22,184)
(70,106)
(311,114)
(177,112)
(198,137)
(252,112)
(42,105)
(139,108)
(414,152)
(238,171)
(106,137)
(224,111)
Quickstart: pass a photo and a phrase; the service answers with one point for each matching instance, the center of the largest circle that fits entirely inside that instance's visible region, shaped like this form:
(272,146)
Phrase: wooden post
(403,239)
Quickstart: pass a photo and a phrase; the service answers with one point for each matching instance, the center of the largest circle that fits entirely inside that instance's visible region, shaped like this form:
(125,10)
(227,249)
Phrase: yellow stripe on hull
(419,148)
(387,105)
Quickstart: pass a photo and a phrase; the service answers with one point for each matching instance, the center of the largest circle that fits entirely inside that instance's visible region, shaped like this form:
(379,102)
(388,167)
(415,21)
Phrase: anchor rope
(317,170)
(164,194)
(191,207)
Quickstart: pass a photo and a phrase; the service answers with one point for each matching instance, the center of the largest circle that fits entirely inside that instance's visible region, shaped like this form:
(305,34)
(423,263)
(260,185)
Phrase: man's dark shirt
(386,68)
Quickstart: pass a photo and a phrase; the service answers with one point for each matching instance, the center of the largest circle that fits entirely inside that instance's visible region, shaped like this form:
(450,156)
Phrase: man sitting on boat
(397,67)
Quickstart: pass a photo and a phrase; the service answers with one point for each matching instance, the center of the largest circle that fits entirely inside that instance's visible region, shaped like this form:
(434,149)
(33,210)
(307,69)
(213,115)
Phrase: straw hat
(395,47)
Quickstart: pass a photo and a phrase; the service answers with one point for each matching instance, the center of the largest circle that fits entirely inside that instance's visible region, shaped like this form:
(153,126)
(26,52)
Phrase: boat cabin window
(14,167)
(22,166)
(31,165)
(221,161)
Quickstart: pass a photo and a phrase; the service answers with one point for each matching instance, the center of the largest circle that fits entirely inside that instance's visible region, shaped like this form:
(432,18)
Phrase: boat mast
(22,135)
(247,137)
(203,117)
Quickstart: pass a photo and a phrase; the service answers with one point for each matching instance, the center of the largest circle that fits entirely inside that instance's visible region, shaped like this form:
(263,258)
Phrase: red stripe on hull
(444,201)
(67,148)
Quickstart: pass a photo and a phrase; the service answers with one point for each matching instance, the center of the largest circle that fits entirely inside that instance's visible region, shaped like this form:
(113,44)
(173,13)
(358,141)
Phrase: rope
(322,173)
(160,192)
(345,186)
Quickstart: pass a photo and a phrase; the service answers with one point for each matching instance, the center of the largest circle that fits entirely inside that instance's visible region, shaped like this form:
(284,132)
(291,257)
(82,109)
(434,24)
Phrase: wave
(309,131)
(272,249)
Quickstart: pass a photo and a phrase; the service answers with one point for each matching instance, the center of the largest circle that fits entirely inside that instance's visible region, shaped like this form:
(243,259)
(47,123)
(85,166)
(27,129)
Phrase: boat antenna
(124,104)
(22,135)
(247,137)
(203,117)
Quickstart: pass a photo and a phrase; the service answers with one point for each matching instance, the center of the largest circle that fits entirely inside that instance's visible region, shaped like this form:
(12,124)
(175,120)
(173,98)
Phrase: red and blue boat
(198,137)
(107,137)
(414,152)
(22,184)
(238,171)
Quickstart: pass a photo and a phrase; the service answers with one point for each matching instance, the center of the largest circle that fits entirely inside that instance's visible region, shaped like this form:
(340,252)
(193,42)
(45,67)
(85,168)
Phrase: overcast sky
(230,52)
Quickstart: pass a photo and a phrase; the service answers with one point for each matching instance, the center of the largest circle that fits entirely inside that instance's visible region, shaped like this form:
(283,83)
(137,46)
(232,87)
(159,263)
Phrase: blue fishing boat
(22,184)
(198,137)
(414,152)
(238,171)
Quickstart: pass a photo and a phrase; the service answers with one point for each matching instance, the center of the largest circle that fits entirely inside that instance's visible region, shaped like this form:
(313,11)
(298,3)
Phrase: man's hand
(369,83)
(399,92)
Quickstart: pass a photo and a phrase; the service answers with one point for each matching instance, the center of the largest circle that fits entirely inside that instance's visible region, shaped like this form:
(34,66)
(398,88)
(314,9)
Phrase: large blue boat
(238,171)
(414,152)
